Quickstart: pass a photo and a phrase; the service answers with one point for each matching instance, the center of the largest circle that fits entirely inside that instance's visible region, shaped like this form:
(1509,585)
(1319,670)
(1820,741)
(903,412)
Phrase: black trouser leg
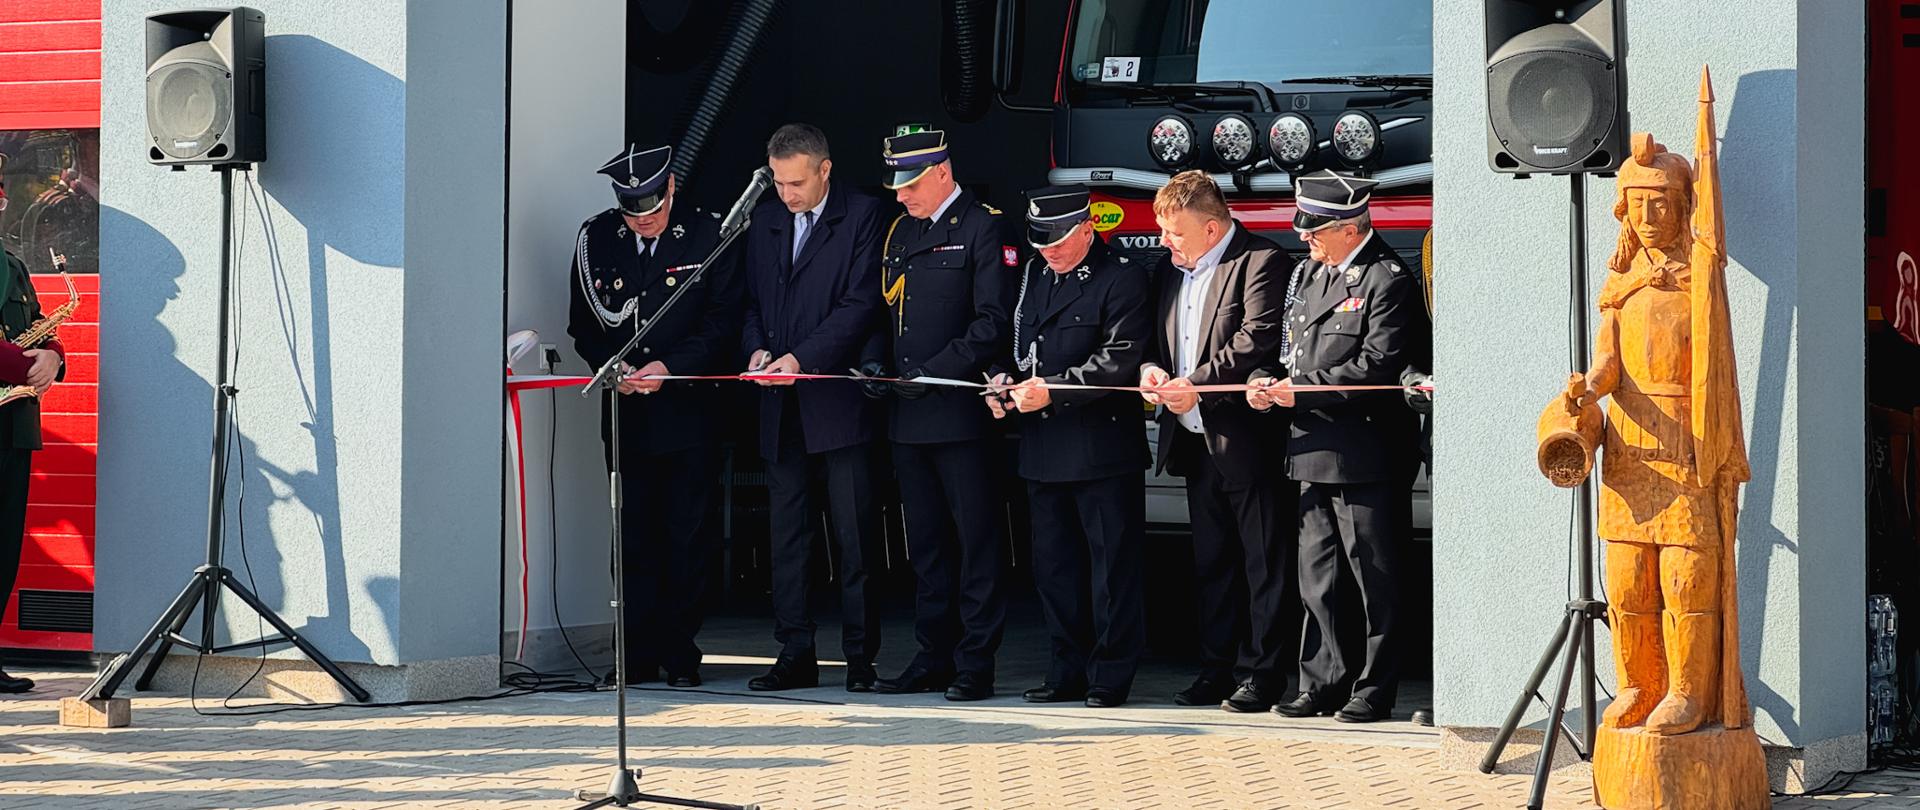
(1060,574)
(855,521)
(1267,517)
(966,476)
(1371,520)
(931,548)
(16,466)
(667,554)
(790,546)
(1113,514)
(1220,590)
(1322,666)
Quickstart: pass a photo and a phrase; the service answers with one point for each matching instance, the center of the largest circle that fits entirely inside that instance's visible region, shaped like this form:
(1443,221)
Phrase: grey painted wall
(1784,73)
(563,129)
(369,311)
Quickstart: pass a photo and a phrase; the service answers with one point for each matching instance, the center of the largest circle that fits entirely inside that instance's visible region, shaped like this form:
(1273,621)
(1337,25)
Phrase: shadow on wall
(335,135)
(335,155)
(1758,140)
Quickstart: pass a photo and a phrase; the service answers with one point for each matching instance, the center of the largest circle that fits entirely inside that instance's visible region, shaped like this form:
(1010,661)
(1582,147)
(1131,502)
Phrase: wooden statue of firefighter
(1673,460)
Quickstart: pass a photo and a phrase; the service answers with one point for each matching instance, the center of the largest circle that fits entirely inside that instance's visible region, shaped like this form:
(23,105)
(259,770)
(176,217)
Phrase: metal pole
(1582,361)
(217,493)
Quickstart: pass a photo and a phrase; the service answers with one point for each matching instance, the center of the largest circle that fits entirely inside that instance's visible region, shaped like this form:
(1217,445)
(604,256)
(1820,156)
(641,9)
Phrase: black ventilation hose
(966,53)
(729,66)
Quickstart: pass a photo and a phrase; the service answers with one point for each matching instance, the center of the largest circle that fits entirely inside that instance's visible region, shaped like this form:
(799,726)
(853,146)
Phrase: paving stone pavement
(716,745)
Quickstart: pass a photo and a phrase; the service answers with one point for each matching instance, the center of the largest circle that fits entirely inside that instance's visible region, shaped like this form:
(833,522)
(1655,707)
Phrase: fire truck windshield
(1173,42)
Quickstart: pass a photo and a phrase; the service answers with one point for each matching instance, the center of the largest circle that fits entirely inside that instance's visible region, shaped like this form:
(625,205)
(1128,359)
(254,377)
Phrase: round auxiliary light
(1290,138)
(1171,142)
(1356,137)
(1234,141)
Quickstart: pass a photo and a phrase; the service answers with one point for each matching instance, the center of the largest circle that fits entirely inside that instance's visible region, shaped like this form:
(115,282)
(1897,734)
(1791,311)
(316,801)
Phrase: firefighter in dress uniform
(1354,316)
(627,261)
(944,275)
(1081,317)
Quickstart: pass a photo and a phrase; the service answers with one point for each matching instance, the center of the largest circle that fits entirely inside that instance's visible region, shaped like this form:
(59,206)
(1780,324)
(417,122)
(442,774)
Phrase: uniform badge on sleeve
(1009,256)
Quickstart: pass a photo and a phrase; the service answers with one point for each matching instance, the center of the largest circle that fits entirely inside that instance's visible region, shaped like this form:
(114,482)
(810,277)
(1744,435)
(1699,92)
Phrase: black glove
(1420,401)
(874,389)
(911,390)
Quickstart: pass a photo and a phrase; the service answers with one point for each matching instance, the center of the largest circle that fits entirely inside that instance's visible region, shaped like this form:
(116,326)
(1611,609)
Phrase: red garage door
(50,133)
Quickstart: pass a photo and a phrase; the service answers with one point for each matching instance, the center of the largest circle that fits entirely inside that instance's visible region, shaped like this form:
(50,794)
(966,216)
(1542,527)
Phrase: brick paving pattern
(533,751)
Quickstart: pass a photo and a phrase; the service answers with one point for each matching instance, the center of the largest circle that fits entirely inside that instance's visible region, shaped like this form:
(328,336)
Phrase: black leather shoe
(1055,693)
(684,680)
(1104,699)
(1305,704)
(11,685)
(787,673)
(914,680)
(1358,710)
(860,677)
(970,686)
(1205,691)
(1252,696)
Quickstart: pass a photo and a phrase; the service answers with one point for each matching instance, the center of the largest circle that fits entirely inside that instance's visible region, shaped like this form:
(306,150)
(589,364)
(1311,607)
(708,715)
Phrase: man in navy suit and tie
(813,303)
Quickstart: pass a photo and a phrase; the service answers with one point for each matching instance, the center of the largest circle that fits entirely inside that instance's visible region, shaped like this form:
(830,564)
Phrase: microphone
(736,218)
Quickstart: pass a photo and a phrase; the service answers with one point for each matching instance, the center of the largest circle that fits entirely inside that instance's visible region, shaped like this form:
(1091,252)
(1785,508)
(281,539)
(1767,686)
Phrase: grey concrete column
(365,493)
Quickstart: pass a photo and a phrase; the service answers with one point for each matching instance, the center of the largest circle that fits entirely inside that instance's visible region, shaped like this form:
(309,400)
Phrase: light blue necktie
(801,233)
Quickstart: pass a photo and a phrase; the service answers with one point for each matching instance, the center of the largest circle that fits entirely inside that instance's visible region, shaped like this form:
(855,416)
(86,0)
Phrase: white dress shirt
(1192,314)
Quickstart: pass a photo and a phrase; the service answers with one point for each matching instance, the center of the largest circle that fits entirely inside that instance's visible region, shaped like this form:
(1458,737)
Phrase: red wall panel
(49,64)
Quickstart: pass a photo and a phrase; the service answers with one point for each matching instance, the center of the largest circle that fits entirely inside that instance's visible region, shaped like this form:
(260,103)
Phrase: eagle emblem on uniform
(679,231)
(1353,274)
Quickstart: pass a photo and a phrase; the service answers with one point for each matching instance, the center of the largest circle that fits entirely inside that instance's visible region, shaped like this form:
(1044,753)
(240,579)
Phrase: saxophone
(43,329)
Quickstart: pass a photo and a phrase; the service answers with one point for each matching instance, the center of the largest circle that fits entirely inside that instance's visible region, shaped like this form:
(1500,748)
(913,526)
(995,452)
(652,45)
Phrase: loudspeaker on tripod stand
(1556,86)
(206,87)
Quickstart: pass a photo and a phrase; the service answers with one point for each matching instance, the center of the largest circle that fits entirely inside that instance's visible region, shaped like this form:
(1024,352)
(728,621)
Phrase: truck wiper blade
(1175,94)
(1389,80)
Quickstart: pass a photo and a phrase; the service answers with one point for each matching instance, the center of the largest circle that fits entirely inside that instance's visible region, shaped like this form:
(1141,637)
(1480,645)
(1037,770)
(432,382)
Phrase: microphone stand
(623,788)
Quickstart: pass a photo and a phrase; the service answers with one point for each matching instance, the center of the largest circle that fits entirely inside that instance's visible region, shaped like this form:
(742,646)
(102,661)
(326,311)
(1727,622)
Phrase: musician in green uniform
(37,368)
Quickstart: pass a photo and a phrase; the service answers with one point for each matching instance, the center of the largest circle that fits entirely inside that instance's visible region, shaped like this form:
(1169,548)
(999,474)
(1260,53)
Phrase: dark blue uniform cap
(909,156)
(640,178)
(1326,197)
(1054,212)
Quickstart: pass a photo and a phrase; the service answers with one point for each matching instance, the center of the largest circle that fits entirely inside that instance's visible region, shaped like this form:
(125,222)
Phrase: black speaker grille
(1551,108)
(56,611)
(189,106)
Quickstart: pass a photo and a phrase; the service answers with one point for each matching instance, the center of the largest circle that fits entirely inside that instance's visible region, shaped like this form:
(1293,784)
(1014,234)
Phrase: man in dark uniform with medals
(627,261)
(37,368)
(1081,318)
(944,277)
(1354,316)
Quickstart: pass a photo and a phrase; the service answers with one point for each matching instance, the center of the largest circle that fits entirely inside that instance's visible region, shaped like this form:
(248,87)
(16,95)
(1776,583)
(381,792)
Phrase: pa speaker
(206,87)
(1556,86)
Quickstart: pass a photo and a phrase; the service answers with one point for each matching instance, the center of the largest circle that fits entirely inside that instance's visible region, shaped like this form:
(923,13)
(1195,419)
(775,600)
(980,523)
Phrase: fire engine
(1254,92)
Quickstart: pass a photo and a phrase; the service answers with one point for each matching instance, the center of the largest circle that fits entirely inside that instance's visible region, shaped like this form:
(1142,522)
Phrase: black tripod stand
(623,788)
(203,589)
(1574,638)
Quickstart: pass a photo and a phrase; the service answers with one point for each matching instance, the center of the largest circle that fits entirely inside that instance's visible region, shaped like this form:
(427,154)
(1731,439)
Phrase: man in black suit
(1219,319)
(813,303)
(627,261)
(1081,319)
(1353,317)
(944,277)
